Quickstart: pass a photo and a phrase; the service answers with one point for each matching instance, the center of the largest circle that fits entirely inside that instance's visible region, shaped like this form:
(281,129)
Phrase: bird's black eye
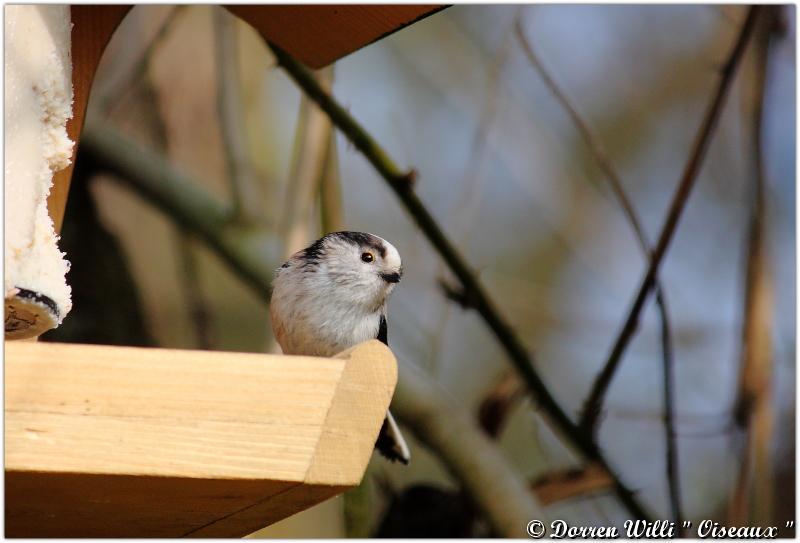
(367,257)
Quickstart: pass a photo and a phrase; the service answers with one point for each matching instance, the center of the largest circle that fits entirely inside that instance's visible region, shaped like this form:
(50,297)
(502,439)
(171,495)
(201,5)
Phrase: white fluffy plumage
(331,296)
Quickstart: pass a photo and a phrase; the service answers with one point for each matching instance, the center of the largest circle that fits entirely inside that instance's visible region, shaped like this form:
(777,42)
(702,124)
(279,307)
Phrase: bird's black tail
(391,443)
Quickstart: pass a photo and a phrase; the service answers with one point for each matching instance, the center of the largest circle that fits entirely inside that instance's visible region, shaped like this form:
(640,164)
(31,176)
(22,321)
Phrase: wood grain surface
(119,441)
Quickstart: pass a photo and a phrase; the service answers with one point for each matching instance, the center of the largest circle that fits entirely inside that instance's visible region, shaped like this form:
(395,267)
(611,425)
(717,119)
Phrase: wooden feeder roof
(317,35)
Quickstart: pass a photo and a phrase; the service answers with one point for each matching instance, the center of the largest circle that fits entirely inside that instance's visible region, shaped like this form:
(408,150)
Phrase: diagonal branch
(591,141)
(615,181)
(401,183)
(192,208)
(595,399)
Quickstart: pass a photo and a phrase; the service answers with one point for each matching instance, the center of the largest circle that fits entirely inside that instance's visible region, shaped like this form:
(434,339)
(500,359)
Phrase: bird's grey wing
(391,442)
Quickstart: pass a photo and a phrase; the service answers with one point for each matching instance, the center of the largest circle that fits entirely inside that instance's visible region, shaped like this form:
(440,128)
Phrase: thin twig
(617,187)
(591,141)
(668,367)
(753,410)
(400,182)
(241,176)
(594,401)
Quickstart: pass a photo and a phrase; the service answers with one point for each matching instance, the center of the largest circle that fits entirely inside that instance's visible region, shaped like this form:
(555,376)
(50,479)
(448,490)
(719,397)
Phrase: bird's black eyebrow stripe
(362,239)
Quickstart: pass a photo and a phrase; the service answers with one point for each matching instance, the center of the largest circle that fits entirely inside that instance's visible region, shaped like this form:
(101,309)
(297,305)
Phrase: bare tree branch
(753,405)
(668,367)
(401,183)
(595,398)
(617,187)
(592,142)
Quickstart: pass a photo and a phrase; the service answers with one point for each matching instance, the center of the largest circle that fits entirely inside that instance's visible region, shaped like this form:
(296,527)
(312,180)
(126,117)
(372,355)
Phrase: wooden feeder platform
(141,442)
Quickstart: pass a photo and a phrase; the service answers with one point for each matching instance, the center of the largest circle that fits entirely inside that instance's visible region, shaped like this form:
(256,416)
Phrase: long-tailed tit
(331,296)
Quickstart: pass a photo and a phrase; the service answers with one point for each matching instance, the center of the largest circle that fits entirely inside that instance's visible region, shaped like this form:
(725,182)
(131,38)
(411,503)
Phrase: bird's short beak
(391,277)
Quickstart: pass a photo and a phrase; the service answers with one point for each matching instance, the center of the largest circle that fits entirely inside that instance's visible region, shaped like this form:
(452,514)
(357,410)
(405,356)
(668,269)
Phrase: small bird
(331,296)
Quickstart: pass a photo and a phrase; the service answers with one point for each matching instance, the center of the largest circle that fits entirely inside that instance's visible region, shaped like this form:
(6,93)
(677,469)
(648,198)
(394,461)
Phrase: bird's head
(352,267)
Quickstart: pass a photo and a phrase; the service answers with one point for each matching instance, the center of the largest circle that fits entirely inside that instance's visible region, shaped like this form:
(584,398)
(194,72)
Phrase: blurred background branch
(330,190)
(154,179)
(752,498)
(444,426)
(594,401)
(617,188)
(307,171)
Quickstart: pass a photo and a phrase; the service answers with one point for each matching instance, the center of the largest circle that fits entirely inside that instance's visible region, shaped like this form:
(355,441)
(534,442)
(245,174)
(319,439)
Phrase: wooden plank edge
(368,364)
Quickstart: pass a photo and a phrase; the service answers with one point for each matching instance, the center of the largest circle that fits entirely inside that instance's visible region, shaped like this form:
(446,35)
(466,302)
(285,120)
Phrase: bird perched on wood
(331,296)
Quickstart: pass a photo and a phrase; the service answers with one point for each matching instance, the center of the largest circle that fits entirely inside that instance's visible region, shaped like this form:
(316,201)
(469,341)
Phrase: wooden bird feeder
(130,442)
(136,442)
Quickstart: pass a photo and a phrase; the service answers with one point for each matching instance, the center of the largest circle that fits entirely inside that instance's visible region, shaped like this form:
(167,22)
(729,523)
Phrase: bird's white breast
(313,321)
